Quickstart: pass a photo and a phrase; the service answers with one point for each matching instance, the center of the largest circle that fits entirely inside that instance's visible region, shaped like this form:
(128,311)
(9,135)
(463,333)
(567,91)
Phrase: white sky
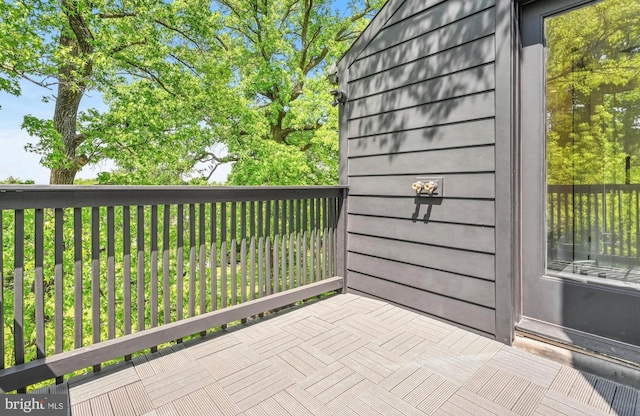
(17,162)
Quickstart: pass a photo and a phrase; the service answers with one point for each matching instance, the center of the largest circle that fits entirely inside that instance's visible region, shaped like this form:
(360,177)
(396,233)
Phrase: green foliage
(190,85)
(16,181)
(593,94)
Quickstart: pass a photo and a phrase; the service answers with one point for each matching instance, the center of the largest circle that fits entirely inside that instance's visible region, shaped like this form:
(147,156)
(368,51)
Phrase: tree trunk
(72,83)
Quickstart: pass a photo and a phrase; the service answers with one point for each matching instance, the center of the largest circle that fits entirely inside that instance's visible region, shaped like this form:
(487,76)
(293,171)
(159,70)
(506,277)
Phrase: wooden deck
(346,355)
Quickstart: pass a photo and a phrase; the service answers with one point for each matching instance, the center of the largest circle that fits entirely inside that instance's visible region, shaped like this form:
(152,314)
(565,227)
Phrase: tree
(190,85)
(593,94)
(75,46)
(281,50)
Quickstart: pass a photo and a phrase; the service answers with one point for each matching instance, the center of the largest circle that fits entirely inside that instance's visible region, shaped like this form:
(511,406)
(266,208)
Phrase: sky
(15,161)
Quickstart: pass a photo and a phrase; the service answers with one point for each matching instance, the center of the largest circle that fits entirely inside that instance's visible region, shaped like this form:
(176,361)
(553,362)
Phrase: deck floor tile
(344,356)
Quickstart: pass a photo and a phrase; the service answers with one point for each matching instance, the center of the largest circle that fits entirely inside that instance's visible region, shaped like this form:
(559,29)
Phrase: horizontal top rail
(593,188)
(73,196)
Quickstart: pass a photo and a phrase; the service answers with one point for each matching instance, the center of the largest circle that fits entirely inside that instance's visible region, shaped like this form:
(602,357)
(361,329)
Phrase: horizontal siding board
(454,110)
(454,310)
(476,159)
(377,23)
(478,265)
(463,31)
(463,211)
(441,15)
(472,133)
(411,8)
(470,81)
(467,237)
(475,53)
(468,289)
(473,185)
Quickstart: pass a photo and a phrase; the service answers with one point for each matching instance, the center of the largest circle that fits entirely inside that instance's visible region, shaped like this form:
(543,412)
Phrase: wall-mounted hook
(340,97)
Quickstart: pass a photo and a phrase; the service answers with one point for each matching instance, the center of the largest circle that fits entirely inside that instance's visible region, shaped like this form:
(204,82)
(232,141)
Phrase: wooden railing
(91,274)
(594,222)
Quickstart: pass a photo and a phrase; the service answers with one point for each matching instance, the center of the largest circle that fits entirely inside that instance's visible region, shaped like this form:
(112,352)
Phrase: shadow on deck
(345,355)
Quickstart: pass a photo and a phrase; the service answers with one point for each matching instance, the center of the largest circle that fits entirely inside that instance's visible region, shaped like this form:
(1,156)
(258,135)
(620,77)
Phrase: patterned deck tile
(274,344)
(268,407)
(299,402)
(388,404)
(254,384)
(602,397)
(166,387)
(138,398)
(81,409)
(366,367)
(362,408)
(582,387)
(120,403)
(454,337)
(431,329)
(229,361)
(101,406)
(392,315)
(212,343)
(467,402)
(404,343)
(564,380)
(91,385)
(365,327)
(337,343)
(529,400)
(450,364)
(223,402)
(626,401)
(565,405)
(308,328)
(535,369)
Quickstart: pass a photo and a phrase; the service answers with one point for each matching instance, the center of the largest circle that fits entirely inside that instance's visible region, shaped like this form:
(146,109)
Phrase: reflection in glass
(593,143)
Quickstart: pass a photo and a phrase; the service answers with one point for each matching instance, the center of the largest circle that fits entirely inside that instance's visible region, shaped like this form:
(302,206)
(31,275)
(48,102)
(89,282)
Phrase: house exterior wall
(422,85)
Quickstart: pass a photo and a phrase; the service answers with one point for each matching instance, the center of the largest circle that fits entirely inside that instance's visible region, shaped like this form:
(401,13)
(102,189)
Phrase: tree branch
(24,76)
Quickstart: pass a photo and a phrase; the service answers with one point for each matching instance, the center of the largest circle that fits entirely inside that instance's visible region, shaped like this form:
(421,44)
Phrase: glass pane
(593,143)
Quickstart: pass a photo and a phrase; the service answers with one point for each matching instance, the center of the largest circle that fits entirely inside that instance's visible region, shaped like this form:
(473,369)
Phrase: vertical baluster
(636,219)
(589,223)
(214,256)
(298,244)
(318,276)
(58,283)
(77,276)
(233,253)
(558,215)
(283,253)
(613,223)
(202,258)
(154,268)
(325,235)
(180,265)
(596,208)
(126,265)
(292,229)
(18,289)
(39,282)
(332,236)
(268,249)
(166,282)
(95,278)
(252,250)
(312,242)
(305,236)
(140,270)
(551,216)
(111,273)
(628,221)
(276,247)
(2,292)
(223,254)
(243,250)
(192,259)
(260,249)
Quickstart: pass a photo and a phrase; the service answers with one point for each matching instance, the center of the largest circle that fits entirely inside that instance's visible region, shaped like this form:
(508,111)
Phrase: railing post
(341,240)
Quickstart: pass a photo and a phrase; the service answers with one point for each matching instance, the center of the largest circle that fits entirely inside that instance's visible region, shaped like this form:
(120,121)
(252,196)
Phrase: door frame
(532,180)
